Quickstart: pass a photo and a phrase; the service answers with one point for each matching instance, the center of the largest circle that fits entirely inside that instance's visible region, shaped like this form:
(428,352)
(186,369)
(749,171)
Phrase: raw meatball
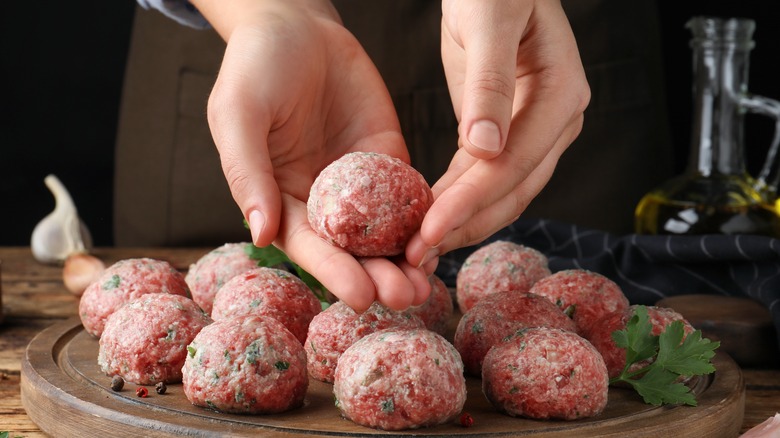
(335,329)
(246,365)
(268,292)
(124,281)
(499,316)
(400,379)
(615,358)
(437,310)
(211,271)
(369,204)
(546,373)
(145,341)
(499,266)
(588,297)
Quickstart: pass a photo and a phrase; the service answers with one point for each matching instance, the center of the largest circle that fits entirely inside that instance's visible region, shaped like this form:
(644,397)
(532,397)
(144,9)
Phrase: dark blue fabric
(182,11)
(649,268)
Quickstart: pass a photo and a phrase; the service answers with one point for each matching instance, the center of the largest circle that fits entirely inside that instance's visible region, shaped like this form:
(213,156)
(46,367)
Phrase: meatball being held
(369,204)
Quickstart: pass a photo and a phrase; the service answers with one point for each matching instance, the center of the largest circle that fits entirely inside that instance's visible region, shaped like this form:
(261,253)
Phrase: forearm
(225,16)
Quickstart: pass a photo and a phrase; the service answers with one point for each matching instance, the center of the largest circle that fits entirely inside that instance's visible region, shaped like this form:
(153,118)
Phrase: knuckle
(493,82)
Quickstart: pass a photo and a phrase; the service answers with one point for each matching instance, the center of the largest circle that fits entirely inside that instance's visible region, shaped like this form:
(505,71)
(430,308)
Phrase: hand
(295,92)
(519,90)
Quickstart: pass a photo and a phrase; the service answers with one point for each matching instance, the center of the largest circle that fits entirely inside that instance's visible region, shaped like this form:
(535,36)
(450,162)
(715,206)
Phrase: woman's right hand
(295,92)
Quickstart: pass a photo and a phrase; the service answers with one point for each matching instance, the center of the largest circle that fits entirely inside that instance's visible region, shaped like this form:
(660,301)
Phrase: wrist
(227,16)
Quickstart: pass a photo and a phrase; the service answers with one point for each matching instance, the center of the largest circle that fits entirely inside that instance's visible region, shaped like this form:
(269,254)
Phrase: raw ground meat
(145,341)
(337,327)
(546,373)
(214,269)
(268,292)
(614,357)
(368,204)
(400,379)
(124,281)
(437,310)
(499,266)
(246,365)
(588,297)
(499,316)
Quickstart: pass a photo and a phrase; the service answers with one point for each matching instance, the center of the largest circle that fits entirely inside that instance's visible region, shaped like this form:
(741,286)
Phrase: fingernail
(485,135)
(256,224)
(431,254)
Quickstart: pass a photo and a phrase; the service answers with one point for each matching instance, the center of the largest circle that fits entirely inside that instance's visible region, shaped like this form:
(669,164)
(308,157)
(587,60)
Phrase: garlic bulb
(61,233)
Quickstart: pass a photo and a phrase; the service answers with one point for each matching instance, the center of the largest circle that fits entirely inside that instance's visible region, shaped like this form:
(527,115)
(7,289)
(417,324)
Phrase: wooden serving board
(66,395)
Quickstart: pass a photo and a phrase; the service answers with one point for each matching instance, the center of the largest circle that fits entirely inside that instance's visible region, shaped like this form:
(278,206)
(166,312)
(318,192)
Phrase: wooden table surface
(33,298)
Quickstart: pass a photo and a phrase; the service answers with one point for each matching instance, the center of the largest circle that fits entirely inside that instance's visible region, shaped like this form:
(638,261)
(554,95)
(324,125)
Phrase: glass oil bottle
(716,195)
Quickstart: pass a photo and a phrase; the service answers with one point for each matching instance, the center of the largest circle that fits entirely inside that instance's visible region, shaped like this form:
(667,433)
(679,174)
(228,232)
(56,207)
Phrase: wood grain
(63,389)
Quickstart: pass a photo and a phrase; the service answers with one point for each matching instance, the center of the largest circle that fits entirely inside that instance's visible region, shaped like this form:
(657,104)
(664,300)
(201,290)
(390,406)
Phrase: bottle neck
(721,58)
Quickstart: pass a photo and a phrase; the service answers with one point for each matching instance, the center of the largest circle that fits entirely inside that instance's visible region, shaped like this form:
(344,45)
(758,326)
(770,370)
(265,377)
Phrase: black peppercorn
(160,388)
(117,383)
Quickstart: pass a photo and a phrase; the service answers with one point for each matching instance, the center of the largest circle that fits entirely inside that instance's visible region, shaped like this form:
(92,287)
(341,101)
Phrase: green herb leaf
(4,434)
(637,337)
(658,387)
(670,357)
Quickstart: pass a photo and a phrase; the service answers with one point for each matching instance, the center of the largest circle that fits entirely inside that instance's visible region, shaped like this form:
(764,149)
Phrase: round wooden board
(66,395)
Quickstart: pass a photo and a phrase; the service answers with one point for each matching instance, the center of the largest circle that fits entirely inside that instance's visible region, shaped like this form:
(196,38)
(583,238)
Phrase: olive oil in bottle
(716,195)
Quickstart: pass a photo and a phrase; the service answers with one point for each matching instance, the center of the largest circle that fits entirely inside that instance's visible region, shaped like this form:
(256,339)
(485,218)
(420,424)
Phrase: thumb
(490,47)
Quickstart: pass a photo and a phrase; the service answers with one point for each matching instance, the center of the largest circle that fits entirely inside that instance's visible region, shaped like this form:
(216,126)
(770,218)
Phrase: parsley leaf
(668,356)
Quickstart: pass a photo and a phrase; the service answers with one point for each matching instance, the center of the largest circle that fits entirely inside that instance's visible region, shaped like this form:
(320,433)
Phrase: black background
(62,69)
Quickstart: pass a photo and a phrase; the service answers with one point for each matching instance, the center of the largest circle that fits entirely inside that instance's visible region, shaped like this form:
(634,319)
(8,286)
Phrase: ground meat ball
(588,297)
(335,329)
(499,266)
(546,373)
(124,281)
(400,379)
(145,341)
(499,316)
(246,365)
(437,310)
(268,292)
(211,271)
(369,204)
(615,358)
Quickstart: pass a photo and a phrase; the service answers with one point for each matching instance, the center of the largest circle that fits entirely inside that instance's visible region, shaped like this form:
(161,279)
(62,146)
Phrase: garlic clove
(60,233)
(80,270)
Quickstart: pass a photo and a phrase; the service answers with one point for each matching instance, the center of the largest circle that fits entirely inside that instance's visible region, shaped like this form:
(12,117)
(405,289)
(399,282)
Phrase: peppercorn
(117,383)
(466,420)
(141,391)
(160,388)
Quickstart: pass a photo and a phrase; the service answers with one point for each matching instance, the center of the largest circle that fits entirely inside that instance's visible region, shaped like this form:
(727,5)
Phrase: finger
(419,281)
(490,41)
(506,210)
(532,136)
(393,288)
(240,129)
(337,270)
(487,185)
